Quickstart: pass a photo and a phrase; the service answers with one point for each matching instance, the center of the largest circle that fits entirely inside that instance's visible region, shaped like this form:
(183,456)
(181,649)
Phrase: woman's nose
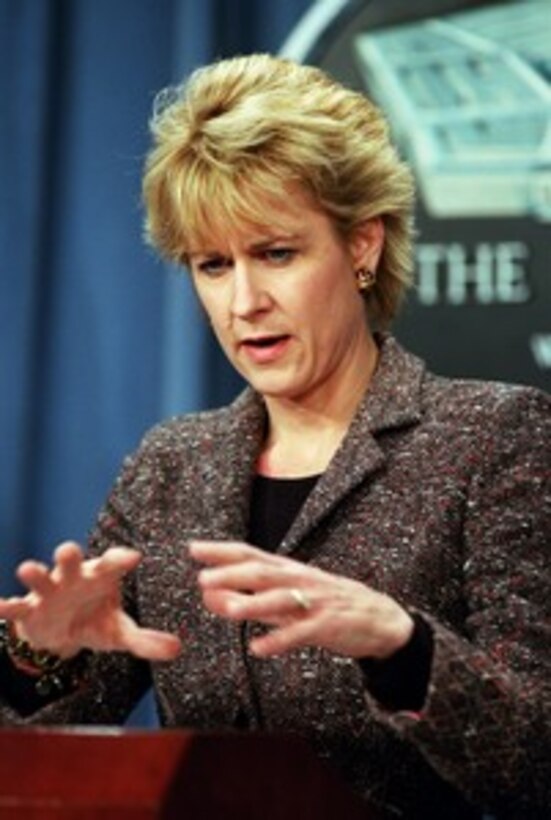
(248,293)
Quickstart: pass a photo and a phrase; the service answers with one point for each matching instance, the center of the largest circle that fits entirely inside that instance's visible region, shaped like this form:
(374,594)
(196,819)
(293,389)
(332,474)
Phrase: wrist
(51,671)
(401,681)
(18,635)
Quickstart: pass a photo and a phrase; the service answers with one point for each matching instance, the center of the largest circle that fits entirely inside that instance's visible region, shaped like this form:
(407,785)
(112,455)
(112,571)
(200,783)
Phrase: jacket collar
(393,400)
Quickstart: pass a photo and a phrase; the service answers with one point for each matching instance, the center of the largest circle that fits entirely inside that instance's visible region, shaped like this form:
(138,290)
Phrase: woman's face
(284,303)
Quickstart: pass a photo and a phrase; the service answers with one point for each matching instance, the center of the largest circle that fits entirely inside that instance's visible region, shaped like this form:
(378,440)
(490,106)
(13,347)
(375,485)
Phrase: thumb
(151,644)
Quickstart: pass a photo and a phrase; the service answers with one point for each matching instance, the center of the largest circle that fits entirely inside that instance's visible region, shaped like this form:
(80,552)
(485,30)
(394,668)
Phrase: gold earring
(365,279)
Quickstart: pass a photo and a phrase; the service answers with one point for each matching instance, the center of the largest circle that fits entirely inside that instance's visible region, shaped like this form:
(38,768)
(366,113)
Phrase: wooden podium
(80,774)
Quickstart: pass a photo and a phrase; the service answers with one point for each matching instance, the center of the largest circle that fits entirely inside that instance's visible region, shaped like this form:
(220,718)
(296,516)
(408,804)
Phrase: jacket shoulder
(473,402)
(184,432)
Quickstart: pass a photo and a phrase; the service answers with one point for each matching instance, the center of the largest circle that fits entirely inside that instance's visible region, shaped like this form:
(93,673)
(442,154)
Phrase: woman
(355,548)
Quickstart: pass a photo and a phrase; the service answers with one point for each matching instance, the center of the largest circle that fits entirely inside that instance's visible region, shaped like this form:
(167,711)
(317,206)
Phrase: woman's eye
(279,255)
(213,266)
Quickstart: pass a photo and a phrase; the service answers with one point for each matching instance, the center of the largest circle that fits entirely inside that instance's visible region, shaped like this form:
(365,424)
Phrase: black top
(275,504)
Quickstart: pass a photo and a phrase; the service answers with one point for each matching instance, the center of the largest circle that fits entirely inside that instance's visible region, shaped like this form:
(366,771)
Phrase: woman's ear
(366,243)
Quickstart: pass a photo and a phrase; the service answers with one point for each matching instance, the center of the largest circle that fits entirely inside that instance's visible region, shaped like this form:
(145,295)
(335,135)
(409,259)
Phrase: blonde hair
(241,131)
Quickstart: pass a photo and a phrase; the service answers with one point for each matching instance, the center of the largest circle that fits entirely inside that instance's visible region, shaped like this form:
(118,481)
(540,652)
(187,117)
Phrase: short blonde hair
(241,131)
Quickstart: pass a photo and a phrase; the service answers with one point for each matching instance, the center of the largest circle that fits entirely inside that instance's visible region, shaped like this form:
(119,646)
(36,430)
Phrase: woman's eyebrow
(270,240)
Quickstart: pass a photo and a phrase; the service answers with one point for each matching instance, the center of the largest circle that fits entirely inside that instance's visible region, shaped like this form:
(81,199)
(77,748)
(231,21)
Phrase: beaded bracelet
(53,675)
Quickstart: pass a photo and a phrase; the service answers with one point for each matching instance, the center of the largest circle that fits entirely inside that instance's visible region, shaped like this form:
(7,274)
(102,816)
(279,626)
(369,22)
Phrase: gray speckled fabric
(440,496)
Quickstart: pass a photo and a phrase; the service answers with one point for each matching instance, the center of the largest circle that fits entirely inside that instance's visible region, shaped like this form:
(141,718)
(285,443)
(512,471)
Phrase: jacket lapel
(392,401)
(231,467)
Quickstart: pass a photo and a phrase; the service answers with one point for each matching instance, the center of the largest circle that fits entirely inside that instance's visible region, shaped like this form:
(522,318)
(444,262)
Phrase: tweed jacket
(439,495)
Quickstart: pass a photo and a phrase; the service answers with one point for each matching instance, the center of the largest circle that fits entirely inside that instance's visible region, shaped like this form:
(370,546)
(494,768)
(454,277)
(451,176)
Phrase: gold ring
(301,599)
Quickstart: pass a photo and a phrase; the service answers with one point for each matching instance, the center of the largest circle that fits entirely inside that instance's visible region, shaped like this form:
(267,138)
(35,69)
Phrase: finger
(272,606)
(151,644)
(236,607)
(36,577)
(252,575)
(214,553)
(295,634)
(114,563)
(13,608)
(68,558)
(223,602)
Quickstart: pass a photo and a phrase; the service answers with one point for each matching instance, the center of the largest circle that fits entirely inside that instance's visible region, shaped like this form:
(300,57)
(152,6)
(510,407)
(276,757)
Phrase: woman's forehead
(278,219)
(245,235)
(258,216)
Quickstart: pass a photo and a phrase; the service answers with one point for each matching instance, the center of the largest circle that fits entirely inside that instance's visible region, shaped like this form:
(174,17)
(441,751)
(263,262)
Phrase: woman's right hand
(76,604)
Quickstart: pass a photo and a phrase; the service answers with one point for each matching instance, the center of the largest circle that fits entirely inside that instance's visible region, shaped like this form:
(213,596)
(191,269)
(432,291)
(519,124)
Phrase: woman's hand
(306,605)
(77,605)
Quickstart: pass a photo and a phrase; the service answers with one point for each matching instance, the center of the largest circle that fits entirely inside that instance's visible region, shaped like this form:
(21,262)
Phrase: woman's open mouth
(265,349)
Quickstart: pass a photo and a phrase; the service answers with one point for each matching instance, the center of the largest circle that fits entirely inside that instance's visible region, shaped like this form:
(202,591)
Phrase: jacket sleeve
(486,722)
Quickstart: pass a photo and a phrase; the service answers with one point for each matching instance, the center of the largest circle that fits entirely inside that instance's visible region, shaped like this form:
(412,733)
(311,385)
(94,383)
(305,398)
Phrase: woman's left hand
(306,605)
